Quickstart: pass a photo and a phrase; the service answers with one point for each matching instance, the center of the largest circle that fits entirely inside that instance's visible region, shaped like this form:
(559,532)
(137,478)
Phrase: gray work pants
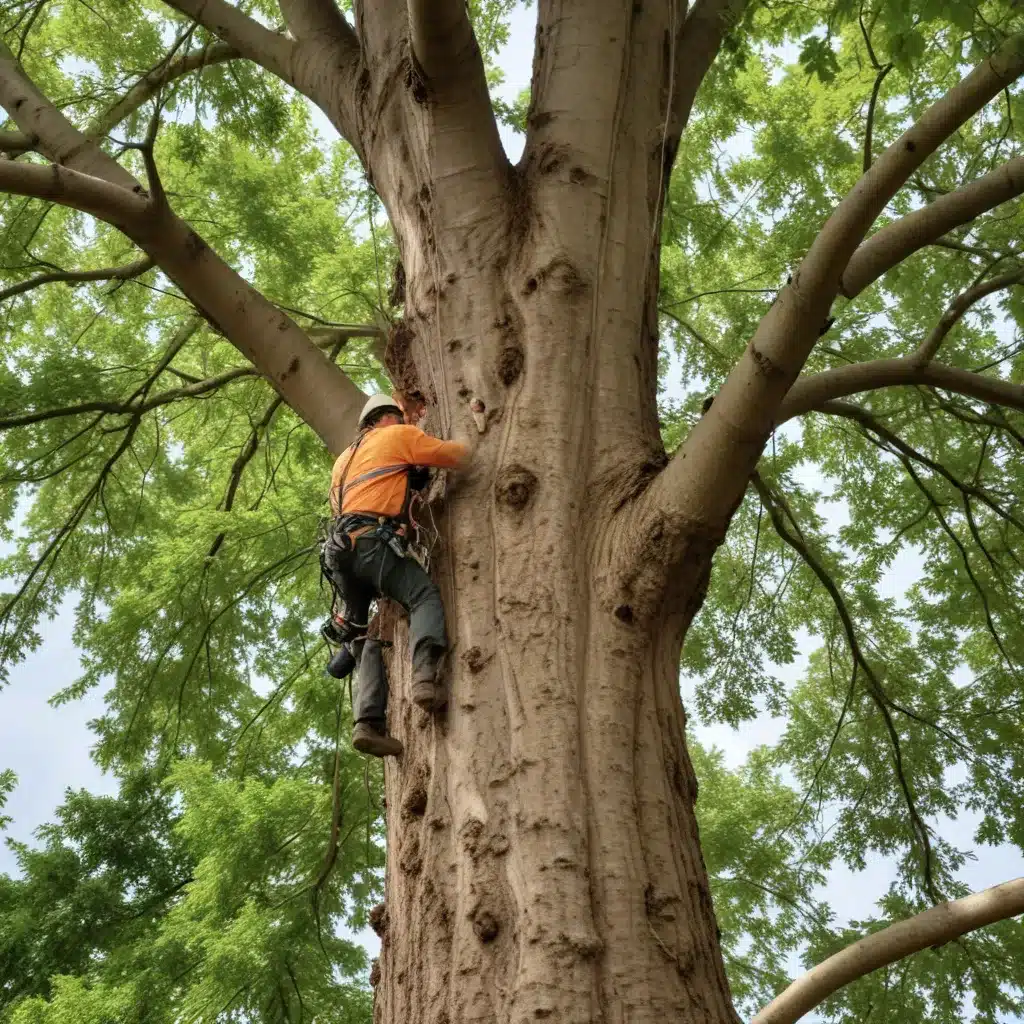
(373,570)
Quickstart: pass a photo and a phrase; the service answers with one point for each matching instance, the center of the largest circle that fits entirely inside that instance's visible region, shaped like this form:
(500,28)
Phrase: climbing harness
(403,534)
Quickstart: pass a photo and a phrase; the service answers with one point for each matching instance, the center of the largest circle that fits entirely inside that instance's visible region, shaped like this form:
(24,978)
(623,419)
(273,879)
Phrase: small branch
(150,84)
(812,391)
(958,307)
(898,446)
(928,930)
(72,277)
(135,409)
(869,128)
(245,456)
(779,512)
(895,242)
(951,243)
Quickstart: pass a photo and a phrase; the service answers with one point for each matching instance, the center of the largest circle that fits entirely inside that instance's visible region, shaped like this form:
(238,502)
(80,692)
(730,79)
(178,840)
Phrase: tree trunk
(544,861)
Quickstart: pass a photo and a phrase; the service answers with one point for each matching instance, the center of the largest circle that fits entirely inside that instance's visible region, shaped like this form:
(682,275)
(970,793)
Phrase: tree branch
(810,393)
(245,456)
(898,445)
(269,49)
(95,196)
(932,928)
(448,57)
(779,512)
(16,142)
(895,242)
(57,139)
(319,392)
(442,38)
(958,307)
(321,67)
(725,444)
(202,387)
(869,127)
(149,85)
(125,273)
(313,19)
(700,39)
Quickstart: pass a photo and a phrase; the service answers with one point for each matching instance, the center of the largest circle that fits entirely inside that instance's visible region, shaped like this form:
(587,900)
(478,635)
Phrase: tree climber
(366,557)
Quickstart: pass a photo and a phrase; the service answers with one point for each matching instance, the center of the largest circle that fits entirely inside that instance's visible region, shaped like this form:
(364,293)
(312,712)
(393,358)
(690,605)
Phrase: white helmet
(374,404)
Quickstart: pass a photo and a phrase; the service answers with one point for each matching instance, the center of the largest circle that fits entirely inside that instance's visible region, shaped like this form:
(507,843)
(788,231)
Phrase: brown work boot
(429,695)
(368,740)
(427,692)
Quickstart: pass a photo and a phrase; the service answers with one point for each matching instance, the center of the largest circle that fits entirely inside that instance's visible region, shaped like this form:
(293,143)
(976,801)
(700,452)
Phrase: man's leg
(370,684)
(405,581)
(370,704)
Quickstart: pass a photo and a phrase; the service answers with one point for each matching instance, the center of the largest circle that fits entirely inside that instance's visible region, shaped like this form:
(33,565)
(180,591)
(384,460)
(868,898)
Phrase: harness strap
(372,474)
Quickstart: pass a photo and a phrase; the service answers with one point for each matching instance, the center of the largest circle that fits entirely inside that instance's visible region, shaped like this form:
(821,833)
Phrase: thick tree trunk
(544,861)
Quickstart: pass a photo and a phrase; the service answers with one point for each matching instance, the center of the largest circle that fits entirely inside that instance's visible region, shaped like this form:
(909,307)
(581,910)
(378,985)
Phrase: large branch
(932,928)
(442,38)
(318,391)
(56,138)
(252,40)
(16,142)
(896,241)
(125,273)
(310,19)
(458,105)
(323,67)
(95,196)
(705,480)
(810,393)
(698,44)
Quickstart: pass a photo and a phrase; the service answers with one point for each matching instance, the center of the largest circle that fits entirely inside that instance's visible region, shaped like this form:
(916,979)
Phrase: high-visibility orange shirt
(376,481)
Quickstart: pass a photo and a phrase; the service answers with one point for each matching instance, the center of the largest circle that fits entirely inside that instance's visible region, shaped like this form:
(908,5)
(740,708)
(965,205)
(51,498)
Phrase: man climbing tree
(790,195)
(367,556)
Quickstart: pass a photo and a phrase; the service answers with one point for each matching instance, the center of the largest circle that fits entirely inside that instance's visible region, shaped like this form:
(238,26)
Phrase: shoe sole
(434,700)
(369,746)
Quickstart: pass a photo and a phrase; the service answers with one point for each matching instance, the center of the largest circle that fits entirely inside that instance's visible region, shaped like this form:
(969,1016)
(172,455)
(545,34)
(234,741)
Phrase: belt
(357,525)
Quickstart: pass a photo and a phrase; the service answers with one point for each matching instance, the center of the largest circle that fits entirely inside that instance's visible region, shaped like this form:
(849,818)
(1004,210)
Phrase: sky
(49,748)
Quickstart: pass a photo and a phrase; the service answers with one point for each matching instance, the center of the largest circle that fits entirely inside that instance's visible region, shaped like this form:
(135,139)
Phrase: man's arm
(424,450)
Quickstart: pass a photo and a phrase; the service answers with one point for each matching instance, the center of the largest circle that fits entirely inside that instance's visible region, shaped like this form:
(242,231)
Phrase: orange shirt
(394,448)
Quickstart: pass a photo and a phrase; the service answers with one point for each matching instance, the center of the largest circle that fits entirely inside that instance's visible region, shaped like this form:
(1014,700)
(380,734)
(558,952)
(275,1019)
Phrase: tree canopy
(156,480)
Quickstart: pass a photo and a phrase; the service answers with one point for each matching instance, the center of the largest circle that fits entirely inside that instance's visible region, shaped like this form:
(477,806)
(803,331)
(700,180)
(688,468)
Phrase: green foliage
(185,536)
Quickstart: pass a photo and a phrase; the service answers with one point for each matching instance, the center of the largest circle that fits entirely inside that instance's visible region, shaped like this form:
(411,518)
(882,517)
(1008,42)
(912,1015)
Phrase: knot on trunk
(510,364)
(414,804)
(485,924)
(515,487)
(379,919)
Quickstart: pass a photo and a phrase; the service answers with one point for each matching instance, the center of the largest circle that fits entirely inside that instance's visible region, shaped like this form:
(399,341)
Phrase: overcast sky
(49,747)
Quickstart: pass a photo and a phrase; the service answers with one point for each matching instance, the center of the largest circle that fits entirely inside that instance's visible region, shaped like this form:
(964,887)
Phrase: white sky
(49,747)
